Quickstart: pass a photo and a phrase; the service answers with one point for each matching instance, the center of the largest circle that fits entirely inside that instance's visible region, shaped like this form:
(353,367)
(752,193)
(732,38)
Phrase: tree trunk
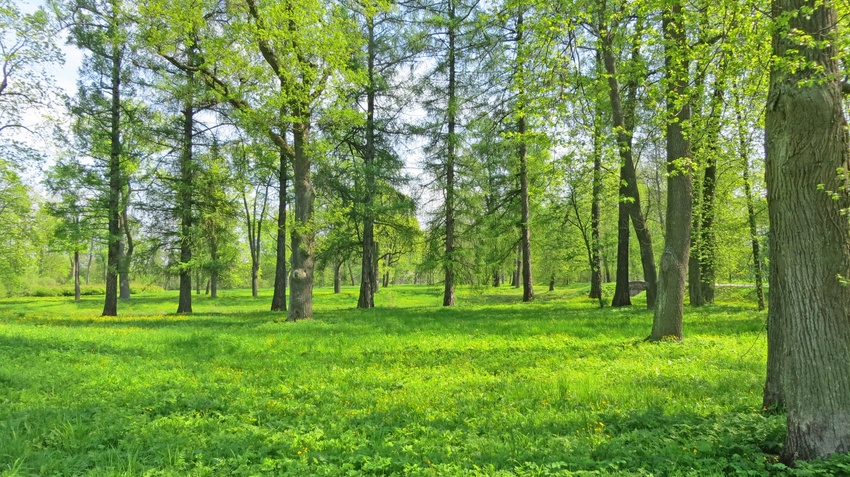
(667,322)
(449,261)
(212,283)
(595,207)
(110,305)
(301,281)
(279,295)
(525,214)
(184,195)
(552,283)
(497,277)
(622,297)
(351,275)
(367,277)
(337,278)
(76,275)
(743,144)
(91,255)
(694,272)
(806,144)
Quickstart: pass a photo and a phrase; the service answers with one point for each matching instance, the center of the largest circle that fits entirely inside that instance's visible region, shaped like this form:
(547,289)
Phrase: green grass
(490,387)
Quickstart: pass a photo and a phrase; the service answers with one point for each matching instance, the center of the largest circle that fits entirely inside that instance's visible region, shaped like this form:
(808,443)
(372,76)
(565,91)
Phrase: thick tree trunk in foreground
(806,144)
(667,322)
(301,280)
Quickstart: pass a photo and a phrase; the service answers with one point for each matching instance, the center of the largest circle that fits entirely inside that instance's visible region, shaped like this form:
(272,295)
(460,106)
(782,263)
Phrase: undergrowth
(490,387)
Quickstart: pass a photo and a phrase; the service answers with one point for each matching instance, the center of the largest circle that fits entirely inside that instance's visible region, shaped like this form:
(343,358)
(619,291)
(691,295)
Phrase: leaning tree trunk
(301,281)
(623,121)
(667,322)
(806,144)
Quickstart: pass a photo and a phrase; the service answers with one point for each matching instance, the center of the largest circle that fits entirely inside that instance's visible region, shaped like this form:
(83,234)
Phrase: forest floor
(490,387)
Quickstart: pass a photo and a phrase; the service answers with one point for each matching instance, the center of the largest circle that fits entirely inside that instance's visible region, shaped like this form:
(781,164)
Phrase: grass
(490,387)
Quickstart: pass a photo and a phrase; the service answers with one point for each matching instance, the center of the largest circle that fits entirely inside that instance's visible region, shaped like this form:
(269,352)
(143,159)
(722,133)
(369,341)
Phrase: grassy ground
(490,387)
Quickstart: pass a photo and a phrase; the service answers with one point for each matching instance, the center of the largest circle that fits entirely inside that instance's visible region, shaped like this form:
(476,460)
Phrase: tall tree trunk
(623,121)
(351,275)
(110,305)
(184,196)
(449,261)
(497,277)
(667,322)
(301,281)
(76,275)
(552,282)
(212,284)
(525,214)
(279,295)
(806,143)
(743,144)
(596,201)
(367,277)
(708,236)
(517,268)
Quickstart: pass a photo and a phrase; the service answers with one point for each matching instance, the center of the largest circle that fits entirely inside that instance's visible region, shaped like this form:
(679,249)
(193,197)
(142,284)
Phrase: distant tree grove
(291,144)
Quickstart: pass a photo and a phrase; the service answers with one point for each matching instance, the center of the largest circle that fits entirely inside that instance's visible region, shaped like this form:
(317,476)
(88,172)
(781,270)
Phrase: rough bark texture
(367,277)
(184,196)
(110,305)
(301,280)
(806,143)
(667,322)
(279,295)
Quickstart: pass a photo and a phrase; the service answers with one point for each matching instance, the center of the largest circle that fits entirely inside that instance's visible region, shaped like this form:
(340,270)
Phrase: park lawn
(490,387)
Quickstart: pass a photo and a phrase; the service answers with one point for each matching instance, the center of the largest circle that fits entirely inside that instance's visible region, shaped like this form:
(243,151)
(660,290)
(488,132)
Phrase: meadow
(491,387)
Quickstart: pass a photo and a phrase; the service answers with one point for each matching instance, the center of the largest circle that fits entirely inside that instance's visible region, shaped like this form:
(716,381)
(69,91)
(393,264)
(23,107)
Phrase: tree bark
(806,144)
(184,196)
(449,259)
(623,121)
(667,322)
(76,275)
(694,272)
(279,295)
(622,297)
(743,144)
(301,279)
(367,277)
(337,278)
(110,305)
(595,207)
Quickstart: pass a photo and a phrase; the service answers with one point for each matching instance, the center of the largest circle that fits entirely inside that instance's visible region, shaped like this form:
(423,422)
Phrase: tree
(807,157)
(102,28)
(667,321)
